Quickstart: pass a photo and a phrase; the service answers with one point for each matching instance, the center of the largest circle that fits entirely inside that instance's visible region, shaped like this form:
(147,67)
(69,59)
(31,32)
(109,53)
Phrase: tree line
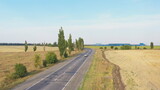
(66,46)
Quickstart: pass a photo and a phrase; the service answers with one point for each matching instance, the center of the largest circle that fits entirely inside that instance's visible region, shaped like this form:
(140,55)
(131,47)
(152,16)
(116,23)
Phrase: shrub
(51,58)
(65,54)
(126,47)
(144,48)
(100,47)
(116,48)
(112,47)
(34,48)
(20,70)
(44,63)
(105,48)
(37,61)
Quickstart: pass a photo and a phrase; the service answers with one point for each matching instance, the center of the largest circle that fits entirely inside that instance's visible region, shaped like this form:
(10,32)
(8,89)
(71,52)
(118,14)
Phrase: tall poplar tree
(152,45)
(25,46)
(70,44)
(61,42)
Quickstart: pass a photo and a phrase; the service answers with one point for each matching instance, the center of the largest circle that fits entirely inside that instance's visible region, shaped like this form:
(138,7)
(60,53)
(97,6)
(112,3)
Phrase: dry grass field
(21,48)
(10,55)
(140,69)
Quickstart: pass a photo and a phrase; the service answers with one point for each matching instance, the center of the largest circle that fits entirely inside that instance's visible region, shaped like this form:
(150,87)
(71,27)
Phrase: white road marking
(75,74)
(48,75)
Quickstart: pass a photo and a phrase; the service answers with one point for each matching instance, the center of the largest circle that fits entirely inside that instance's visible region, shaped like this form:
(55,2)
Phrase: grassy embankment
(10,55)
(99,76)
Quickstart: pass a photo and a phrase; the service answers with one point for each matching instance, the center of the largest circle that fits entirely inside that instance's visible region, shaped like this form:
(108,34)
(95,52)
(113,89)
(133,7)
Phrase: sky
(97,21)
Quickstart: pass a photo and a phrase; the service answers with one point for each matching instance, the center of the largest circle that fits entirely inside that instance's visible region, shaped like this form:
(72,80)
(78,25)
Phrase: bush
(126,47)
(116,48)
(20,70)
(37,61)
(100,47)
(112,47)
(34,48)
(51,58)
(105,48)
(65,55)
(44,63)
(144,48)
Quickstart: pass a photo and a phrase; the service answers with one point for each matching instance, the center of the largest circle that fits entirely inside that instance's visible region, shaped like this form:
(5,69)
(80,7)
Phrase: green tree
(152,45)
(55,44)
(80,43)
(26,46)
(70,44)
(37,61)
(112,47)
(34,48)
(77,44)
(61,42)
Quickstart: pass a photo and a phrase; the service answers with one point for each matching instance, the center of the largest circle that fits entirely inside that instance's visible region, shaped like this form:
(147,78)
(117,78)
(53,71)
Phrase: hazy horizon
(97,21)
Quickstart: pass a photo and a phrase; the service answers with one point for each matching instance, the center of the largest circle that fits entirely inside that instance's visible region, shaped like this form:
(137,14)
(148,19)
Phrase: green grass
(99,76)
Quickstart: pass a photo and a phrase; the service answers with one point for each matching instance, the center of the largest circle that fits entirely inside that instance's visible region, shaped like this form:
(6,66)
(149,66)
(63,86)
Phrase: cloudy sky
(97,21)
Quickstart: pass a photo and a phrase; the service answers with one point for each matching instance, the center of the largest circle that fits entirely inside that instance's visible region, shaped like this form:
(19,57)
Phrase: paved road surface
(63,77)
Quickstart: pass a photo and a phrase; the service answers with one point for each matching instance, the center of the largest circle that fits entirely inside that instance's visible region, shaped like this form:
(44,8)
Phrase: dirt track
(118,84)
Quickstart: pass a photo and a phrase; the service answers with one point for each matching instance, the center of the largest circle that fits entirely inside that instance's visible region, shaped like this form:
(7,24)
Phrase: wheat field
(140,69)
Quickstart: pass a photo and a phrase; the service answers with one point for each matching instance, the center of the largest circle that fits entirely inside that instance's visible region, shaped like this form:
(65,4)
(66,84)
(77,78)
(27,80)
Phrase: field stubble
(140,69)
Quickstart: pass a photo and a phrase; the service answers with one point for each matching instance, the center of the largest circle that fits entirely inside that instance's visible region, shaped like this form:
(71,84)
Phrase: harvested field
(140,69)
(16,54)
(21,48)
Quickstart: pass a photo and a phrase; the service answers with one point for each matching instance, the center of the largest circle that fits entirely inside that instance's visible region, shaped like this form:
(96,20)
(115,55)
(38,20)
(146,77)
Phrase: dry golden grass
(21,48)
(99,76)
(16,54)
(140,69)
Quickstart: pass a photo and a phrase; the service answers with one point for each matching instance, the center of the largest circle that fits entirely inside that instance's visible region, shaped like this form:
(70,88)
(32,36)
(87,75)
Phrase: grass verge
(99,76)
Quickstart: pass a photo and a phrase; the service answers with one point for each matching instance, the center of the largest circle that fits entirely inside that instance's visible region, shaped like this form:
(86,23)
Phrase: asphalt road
(62,77)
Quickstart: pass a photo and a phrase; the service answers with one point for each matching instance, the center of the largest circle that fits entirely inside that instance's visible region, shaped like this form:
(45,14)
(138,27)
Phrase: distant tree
(135,47)
(26,46)
(144,48)
(105,48)
(100,47)
(34,48)
(126,47)
(112,47)
(55,44)
(116,48)
(70,44)
(152,45)
(61,42)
